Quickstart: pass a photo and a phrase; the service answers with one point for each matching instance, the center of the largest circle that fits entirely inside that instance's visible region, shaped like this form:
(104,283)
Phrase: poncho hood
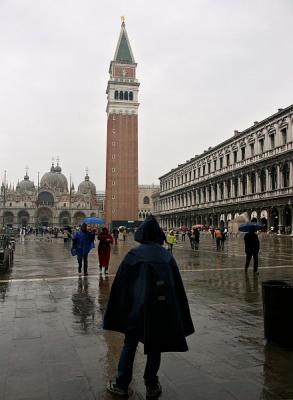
(150,231)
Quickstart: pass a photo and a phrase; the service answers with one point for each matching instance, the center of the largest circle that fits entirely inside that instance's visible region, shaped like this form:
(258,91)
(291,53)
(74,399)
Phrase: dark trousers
(218,243)
(79,259)
(249,255)
(125,365)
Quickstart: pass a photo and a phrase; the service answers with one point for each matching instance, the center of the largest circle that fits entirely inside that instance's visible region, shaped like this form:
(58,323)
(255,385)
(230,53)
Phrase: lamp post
(3,189)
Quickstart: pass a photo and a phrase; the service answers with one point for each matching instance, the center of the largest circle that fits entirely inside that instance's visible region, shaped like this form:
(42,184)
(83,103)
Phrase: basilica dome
(26,185)
(87,187)
(54,179)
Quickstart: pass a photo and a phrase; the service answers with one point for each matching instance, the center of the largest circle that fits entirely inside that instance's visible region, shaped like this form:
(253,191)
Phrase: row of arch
(278,218)
(44,217)
(123,95)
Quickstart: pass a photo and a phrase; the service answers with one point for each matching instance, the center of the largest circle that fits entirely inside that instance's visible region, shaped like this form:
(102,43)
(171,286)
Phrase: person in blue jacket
(149,305)
(82,243)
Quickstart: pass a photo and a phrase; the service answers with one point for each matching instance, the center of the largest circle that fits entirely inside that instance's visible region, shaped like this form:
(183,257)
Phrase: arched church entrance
(64,218)
(8,218)
(78,218)
(44,216)
(23,218)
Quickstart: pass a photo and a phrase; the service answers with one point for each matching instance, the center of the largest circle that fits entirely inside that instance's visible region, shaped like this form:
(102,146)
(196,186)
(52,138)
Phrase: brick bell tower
(121,204)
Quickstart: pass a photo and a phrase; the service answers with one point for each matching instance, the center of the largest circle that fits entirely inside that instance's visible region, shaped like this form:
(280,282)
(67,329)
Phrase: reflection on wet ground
(52,345)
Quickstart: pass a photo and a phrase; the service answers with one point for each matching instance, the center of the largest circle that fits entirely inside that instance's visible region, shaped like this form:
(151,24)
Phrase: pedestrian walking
(218,235)
(149,305)
(82,243)
(183,235)
(196,235)
(115,234)
(171,240)
(104,249)
(212,231)
(251,249)
(223,238)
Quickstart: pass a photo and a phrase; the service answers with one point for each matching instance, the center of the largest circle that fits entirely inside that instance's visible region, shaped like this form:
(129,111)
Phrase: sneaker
(114,389)
(106,272)
(153,391)
(85,274)
(103,270)
(79,270)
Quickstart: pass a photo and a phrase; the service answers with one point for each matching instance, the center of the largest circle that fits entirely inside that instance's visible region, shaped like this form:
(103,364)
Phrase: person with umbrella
(82,243)
(251,245)
(104,249)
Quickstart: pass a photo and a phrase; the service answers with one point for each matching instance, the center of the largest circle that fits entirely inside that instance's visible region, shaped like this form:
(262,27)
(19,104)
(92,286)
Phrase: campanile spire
(122,135)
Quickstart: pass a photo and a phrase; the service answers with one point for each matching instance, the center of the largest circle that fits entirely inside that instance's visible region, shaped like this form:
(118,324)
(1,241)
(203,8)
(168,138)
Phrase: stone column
(291,173)
(225,190)
(268,180)
(212,193)
(232,188)
(240,186)
(257,181)
(279,177)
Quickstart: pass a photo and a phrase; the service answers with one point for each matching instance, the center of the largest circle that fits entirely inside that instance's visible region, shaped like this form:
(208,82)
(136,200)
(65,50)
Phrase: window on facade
(228,189)
(199,196)
(244,185)
(203,170)
(113,183)
(221,191)
(10,204)
(274,178)
(210,193)
(125,95)
(272,141)
(261,145)
(113,156)
(209,168)
(221,162)
(216,191)
(198,172)
(253,182)
(235,156)
(64,204)
(286,175)
(251,149)
(24,204)
(121,95)
(284,135)
(243,153)
(130,96)
(190,175)
(116,95)
(215,165)
(185,177)
(263,181)
(146,200)
(228,159)
(204,194)
(113,170)
(236,187)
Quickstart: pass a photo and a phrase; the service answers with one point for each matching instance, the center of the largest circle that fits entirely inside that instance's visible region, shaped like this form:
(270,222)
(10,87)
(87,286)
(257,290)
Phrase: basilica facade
(50,203)
(252,172)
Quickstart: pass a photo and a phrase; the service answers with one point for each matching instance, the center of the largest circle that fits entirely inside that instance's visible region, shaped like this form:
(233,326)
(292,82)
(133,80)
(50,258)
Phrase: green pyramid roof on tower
(123,52)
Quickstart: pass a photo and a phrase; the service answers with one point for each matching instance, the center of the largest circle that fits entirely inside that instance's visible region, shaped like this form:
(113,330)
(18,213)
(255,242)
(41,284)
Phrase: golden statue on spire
(122,20)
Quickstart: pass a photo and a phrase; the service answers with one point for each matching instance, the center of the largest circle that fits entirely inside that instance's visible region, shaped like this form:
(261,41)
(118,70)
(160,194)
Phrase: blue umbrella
(250,226)
(94,220)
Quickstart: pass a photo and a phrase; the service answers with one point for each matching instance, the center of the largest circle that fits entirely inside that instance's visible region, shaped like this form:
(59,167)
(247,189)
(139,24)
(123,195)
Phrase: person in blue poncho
(149,305)
(82,243)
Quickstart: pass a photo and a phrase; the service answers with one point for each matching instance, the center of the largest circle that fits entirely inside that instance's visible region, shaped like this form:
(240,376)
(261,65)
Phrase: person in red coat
(104,249)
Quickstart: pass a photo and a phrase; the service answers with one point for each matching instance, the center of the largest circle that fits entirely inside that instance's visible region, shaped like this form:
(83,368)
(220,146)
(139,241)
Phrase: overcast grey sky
(206,67)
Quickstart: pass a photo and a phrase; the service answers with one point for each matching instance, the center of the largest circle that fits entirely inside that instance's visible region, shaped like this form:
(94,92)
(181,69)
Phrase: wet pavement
(52,345)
